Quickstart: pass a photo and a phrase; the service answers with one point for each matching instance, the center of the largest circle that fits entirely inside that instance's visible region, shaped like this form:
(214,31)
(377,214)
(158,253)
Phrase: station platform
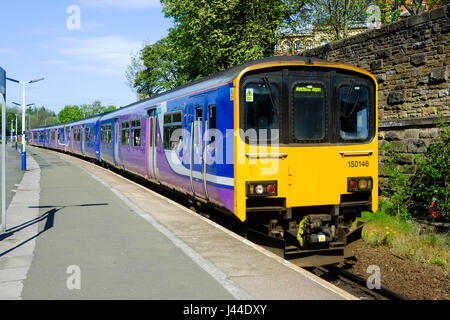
(14,171)
(79,231)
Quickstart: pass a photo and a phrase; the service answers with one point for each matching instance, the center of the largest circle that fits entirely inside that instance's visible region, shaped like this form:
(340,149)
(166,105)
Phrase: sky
(81,48)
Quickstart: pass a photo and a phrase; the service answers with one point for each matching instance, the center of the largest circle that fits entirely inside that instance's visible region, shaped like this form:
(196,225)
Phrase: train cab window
(260,102)
(309,112)
(354,108)
(136,133)
(126,133)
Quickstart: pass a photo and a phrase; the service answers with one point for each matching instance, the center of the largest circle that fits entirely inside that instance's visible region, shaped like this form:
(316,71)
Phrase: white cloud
(109,55)
(128,4)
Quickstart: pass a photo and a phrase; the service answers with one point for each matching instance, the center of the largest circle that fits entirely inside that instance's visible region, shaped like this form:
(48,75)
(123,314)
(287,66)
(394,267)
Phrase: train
(287,146)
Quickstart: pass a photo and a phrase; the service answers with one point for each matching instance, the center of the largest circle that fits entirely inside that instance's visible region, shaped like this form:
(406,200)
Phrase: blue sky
(79,65)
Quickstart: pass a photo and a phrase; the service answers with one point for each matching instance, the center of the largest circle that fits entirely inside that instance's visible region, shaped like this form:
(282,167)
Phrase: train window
(172,130)
(212,117)
(105,134)
(108,133)
(87,134)
(309,112)
(261,109)
(102,134)
(126,133)
(136,133)
(354,107)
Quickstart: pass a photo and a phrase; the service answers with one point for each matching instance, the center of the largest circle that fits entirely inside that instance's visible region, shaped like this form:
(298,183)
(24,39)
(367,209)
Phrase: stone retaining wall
(410,60)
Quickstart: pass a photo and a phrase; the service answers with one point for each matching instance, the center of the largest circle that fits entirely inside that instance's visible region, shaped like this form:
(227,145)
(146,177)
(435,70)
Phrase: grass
(405,238)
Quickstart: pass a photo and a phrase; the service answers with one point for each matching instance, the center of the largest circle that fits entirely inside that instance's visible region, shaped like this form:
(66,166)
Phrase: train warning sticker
(249,95)
(322,238)
(231,93)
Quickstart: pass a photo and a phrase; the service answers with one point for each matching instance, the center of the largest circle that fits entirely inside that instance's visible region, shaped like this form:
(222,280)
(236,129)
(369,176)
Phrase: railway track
(353,283)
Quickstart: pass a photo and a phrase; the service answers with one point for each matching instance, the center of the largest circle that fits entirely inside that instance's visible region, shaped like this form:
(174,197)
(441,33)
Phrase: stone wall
(411,62)
(409,58)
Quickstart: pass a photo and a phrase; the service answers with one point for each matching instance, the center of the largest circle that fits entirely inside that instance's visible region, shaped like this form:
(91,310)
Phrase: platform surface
(79,231)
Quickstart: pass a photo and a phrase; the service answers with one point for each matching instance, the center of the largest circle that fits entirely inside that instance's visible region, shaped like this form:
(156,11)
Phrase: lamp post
(28,105)
(3,101)
(16,131)
(24,83)
(11,131)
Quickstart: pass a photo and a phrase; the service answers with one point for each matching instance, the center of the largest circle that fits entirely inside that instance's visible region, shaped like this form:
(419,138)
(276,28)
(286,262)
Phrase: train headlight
(359,184)
(261,188)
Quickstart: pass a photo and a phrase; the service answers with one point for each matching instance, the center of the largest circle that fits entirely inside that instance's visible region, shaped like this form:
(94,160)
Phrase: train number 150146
(356,164)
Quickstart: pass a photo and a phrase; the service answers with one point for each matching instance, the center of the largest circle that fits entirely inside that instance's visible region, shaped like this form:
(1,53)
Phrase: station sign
(2,81)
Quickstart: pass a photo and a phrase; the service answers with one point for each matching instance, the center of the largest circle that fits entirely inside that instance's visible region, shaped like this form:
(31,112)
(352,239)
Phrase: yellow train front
(306,155)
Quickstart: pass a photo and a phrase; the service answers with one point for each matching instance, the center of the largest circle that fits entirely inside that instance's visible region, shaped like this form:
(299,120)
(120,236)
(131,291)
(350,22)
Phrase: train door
(198,130)
(116,142)
(152,145)
(82,138)
(66,140)
(70,136)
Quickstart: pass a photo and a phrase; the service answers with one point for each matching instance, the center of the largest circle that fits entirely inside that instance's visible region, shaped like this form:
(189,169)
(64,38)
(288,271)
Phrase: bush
(430,182)
(398,182)
(412,195)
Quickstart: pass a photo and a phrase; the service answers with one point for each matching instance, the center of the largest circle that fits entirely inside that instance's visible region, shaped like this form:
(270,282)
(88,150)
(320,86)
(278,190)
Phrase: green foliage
(70,113)
(431,180)
(74,112)
(95,108)
(411,195)
(210,36)
(154,69)
(40,117)
(339,15)
(398,184)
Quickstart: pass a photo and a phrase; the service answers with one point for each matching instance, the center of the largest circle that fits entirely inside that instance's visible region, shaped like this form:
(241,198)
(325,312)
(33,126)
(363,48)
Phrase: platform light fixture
(24,83)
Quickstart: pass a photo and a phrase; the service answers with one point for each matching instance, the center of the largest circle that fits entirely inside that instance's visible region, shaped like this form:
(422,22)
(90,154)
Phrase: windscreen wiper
(344,112)
(267,84)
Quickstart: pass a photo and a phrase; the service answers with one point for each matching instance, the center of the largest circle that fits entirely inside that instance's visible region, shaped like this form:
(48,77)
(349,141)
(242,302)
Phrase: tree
(89,110)
(339,15)
(70,113)
(154,69)
(210,36)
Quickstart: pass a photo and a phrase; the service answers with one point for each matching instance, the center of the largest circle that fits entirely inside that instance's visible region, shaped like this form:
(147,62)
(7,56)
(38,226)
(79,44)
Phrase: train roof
(222,77)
